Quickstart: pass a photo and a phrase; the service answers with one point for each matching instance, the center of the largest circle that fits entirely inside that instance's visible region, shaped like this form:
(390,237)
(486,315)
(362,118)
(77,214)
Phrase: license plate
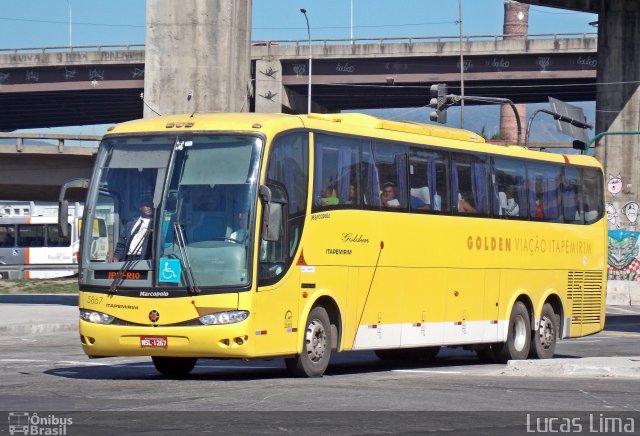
(153,341)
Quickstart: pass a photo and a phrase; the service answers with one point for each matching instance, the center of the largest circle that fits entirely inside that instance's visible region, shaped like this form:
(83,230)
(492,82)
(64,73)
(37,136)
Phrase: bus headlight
(224,317)
(95,317)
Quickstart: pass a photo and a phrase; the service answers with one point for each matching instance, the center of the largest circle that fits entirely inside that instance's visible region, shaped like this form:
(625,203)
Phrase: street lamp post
(304,12)
(461,66)
(69,8)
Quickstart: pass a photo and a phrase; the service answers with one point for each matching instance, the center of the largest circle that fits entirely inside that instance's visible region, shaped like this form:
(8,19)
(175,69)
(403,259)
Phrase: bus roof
(348,123)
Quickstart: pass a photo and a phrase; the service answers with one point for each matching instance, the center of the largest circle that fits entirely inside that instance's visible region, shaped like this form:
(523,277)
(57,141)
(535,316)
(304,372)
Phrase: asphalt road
(359,394)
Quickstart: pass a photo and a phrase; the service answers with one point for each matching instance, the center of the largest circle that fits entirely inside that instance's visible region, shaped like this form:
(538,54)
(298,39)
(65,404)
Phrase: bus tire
(316,347)
(543,341)
(408,354)
(518,337)
(174,366)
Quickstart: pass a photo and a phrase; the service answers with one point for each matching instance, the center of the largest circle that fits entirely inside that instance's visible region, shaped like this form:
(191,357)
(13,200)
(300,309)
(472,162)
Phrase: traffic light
(439,103)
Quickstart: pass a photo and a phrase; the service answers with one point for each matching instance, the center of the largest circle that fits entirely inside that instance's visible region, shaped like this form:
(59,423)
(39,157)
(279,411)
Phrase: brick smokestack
(516,26)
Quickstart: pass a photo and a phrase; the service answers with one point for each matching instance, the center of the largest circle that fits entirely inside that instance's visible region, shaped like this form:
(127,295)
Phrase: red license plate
(153,341)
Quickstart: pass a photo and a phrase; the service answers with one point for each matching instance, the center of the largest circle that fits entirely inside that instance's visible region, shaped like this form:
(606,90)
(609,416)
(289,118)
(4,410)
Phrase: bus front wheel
(518,337)
(174,366)
(543,342)
(316,347)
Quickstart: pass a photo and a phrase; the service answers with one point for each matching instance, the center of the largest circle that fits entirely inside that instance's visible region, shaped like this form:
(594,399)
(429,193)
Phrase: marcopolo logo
(33,424)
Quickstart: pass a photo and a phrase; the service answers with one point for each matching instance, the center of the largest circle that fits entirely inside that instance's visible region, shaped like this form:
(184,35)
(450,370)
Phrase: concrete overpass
(33,168)
(94,85)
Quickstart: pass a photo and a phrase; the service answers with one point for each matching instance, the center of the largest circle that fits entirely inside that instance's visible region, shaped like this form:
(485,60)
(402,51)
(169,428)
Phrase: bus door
(277,300)
(277,313)
(9,253)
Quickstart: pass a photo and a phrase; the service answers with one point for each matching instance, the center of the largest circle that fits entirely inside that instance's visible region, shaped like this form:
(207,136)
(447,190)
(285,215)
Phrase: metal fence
(17,272)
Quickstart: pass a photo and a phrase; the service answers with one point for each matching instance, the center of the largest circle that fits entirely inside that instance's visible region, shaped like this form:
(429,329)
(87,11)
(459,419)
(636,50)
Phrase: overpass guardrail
(320,41)
(60,138)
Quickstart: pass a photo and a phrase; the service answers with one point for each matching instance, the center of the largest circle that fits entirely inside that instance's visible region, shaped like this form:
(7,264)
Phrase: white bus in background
(13,208)
(28,241)
(34,239)
(99,239)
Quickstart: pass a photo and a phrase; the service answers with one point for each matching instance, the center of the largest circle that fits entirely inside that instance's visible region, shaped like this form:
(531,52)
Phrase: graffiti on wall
(630,210)
(614,184)
(623,260)
(623,255)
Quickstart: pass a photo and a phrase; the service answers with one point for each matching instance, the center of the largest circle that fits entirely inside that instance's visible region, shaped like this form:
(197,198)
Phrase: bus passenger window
(336,179)
(544,191)
(470,184)
(428,180)
(593,195)
(7,236)
(509,188)
(391,165)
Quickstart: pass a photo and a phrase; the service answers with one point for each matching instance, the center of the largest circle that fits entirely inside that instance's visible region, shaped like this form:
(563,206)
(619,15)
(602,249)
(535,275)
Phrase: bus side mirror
(63,220)
(63,204)
(272,216)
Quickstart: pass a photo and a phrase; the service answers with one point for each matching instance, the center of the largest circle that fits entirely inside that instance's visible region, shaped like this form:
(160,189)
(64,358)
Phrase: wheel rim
(519,333)
(546,332)
(316,340)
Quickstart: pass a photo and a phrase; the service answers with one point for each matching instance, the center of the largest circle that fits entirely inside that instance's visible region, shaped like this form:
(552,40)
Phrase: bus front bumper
(215,341)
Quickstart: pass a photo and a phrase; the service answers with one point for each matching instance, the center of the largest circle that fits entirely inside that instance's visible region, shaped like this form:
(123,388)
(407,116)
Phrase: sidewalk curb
(586,367)
(36,329)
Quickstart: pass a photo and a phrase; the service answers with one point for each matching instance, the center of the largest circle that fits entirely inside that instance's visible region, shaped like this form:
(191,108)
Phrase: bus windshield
(203,192)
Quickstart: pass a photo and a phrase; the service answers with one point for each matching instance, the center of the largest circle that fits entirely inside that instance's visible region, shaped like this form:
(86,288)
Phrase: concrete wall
(617,110)
(197,56)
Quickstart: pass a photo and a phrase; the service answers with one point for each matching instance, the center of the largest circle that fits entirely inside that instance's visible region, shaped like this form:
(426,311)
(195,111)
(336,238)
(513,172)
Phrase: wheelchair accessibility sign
(169,271)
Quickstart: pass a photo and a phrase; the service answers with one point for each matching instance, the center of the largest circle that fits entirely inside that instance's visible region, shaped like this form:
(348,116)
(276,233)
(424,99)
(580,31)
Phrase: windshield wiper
(117,281)
(178,232)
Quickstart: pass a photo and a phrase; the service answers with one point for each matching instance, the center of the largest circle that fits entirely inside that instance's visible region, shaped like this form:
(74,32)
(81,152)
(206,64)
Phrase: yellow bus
(291,236)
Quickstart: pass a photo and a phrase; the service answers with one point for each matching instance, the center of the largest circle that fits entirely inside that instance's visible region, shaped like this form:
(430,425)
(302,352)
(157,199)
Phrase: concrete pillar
(618,109)
(197,56)
(618,99)
(516,26)
(269,93)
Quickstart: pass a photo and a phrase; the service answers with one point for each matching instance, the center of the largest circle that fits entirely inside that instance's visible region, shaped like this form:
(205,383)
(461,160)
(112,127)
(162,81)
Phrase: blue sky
(45,23)
(39,23)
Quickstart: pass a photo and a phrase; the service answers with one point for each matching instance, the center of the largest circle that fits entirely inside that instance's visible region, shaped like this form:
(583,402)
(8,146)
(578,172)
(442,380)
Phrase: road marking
(428,371)
(121,364)
(575,341)
(621,334)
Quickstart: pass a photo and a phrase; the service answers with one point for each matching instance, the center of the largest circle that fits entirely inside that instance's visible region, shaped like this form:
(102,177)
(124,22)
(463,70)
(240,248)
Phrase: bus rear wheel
(174,366)
(543,342)
(316,348)
(518,337)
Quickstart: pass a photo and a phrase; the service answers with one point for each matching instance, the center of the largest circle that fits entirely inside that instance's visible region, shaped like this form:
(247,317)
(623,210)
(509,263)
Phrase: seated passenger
(465,203)
(388,196)
(418,203)
(539,213)
(240,234)
(508,205)
(328,197)
(419,198)
(353,195)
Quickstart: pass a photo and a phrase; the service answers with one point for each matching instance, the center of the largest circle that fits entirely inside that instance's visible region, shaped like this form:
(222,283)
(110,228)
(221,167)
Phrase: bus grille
(585,290)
